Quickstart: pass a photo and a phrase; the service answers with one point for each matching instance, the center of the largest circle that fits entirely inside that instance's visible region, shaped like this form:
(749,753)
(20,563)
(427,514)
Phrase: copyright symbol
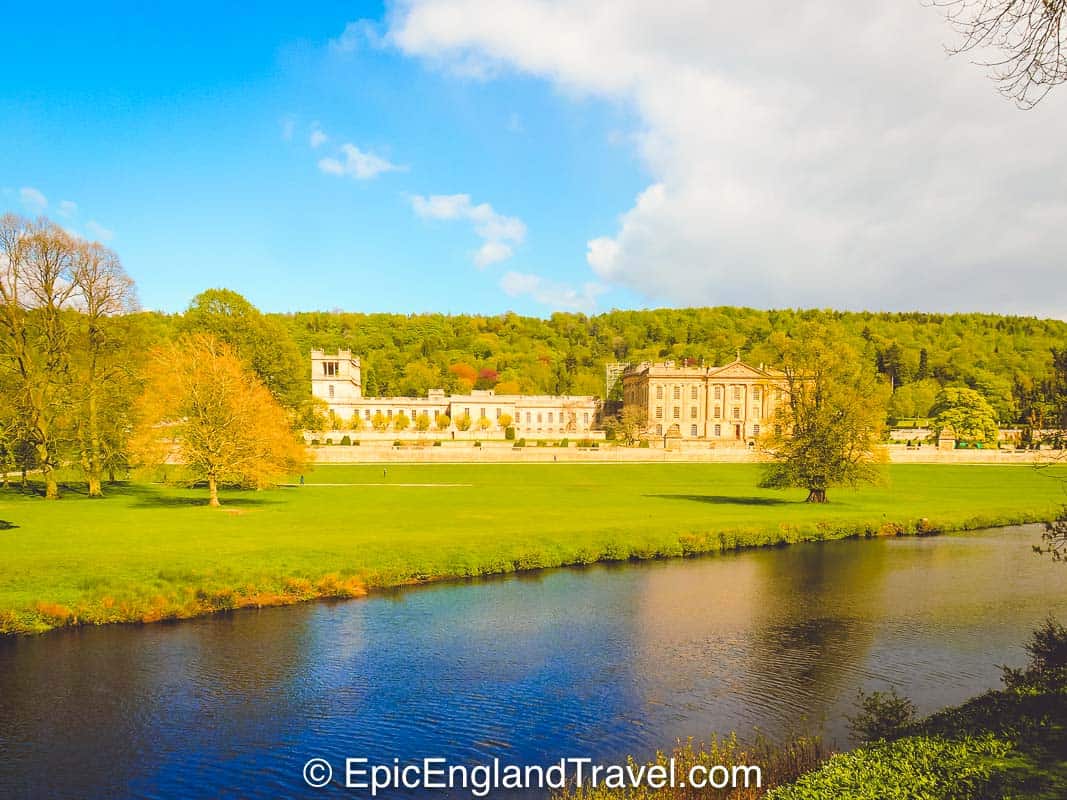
(318,773)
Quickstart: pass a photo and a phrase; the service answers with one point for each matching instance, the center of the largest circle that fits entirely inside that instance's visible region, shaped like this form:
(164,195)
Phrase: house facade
(337,380)
(734,403)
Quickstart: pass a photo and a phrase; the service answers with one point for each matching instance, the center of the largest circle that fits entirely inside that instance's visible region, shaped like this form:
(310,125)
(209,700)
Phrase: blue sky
(486,155)
(188,139)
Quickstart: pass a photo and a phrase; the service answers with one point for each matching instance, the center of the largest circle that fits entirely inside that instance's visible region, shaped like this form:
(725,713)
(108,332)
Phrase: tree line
(86,381)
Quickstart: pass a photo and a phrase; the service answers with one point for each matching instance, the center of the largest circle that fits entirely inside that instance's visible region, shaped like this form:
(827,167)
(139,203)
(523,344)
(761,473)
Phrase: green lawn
(150,552)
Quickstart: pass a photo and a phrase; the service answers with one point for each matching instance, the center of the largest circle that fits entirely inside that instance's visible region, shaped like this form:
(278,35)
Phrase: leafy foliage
(826,433)
(966,413)
(882,715)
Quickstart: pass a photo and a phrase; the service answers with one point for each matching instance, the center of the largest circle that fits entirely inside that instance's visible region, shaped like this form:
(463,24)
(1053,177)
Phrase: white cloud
(358,164)
(491,253)
(317,137)
(98,232)
(558,296)
(820,153)
(288,124)
(33,199)
(496,230)
(354,35)
(67,209)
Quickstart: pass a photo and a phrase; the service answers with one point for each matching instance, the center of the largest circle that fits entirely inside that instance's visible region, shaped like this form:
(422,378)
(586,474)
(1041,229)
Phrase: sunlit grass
(148,552)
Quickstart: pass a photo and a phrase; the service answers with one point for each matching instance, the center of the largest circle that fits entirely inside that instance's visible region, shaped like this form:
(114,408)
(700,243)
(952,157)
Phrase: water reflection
(600,662)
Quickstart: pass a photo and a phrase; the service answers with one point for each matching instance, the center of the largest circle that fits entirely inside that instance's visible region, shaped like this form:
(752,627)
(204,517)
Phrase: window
(389,414)
(677,412)
(538,419)
(737,393)
(331,390)
(755,430)
(718,393)
(366,414)
(659,392)
(718,430)
(693,412)
(677,392)
(692,430)
(693,393)
(481,413)
(466,412)
(585,417)
(550,417)
(329,368)
(498,413)
(737,413)
(756,393)
(718,411)
(659,412)
(527,417)
(659,430)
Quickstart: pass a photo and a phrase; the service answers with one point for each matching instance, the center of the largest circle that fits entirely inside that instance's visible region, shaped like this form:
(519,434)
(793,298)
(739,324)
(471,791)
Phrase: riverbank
(147,553)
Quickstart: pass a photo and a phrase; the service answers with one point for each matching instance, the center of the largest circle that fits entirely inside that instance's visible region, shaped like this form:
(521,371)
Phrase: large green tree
(967,413)
(827,431)
(262,342)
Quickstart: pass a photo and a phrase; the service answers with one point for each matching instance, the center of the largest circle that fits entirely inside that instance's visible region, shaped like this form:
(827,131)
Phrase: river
(600,661)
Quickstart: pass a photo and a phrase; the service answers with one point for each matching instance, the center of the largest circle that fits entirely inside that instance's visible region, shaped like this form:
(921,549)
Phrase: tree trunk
(51,488)
(94,469)
(816,496)
(110,473)
(213,491)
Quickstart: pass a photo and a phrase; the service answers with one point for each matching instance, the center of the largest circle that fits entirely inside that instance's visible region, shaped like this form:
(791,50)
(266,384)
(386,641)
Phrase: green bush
(355,442)
(437,443)
(882,715)
(564,442)
(346,440)
(477,444)
(314,442)
(397,443)
(520,443)
(644,443)
(542,443)
(915,768)
(509,432)
(329,441)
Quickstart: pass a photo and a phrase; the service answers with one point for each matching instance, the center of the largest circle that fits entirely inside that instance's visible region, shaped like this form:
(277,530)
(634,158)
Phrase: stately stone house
(734,403)
(337,380)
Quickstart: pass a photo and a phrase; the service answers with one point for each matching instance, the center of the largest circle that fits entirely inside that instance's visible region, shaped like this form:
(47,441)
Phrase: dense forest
(1012,361)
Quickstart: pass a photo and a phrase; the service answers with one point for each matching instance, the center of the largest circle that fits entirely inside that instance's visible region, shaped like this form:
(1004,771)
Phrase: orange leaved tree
(201,408)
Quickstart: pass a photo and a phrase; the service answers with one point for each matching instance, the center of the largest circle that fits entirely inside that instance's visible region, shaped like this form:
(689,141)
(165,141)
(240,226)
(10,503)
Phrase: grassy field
(148,552)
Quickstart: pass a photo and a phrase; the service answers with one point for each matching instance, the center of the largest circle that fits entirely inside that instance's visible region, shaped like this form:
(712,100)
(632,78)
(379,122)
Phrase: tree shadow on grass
(7,526)
(154,497)
(723,500)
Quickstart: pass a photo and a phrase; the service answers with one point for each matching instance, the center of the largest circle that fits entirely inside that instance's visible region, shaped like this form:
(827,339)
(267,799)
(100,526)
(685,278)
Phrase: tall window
(693,393)
(329,368)
(659,430)
(693,412)
(755,430)
(659,412)
(366,414)
(677,412)
(498,413)
(659,392)
(527,417)
(756,394)
(718,430)
(737,413)
(677,392)
(718,411)
(550,417)
(718,393)
(692,430)
(737,393)
(331,390)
